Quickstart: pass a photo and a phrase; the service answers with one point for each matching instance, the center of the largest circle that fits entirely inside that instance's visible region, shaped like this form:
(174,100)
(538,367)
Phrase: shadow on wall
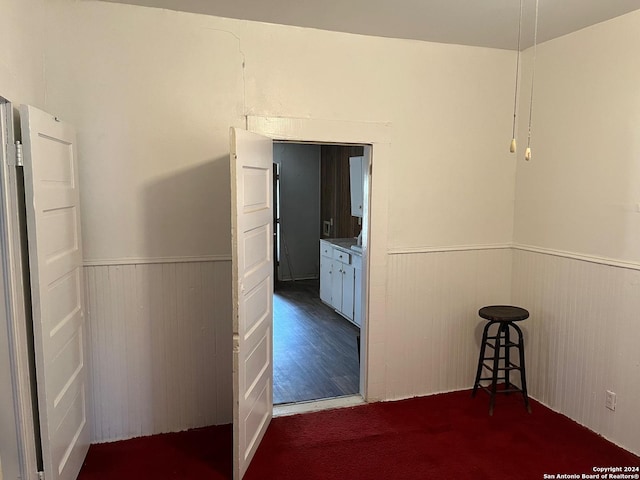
(187,213)
(189,297)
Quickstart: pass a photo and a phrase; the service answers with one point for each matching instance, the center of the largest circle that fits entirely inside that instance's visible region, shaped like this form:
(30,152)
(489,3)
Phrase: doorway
(316,341)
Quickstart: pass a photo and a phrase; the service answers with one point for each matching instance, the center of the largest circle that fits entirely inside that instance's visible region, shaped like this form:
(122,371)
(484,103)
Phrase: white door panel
(55,262)
(252,252)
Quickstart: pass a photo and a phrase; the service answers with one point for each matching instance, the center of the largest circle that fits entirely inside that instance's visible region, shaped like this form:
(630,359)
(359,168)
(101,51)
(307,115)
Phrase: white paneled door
(55,261)
(252,234)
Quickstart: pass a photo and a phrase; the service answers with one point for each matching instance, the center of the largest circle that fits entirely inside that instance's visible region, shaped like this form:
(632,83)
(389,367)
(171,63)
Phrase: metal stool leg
(523,373)
(507,362)
(494,376)
(503,361)
(483,345)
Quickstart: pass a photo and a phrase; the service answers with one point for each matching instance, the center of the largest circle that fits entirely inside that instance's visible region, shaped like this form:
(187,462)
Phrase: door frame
(12,256)
(376,138)
(331,401)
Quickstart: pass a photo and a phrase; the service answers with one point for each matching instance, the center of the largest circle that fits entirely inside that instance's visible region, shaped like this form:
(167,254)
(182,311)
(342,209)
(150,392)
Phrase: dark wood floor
(314,349)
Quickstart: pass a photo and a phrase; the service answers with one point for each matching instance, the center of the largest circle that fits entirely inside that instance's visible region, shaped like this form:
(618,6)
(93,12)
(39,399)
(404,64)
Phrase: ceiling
(487,23)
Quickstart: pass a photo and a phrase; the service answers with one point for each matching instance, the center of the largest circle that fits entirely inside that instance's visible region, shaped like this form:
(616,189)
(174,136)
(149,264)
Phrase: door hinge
(14,154)
(20,163)
(40,475)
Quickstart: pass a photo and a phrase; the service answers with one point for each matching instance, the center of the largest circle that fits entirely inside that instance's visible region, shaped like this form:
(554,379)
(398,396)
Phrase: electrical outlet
(610,400)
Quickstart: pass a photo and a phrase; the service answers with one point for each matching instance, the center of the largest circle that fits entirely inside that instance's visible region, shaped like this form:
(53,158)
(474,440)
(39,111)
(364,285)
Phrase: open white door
(252,233)
(55,262)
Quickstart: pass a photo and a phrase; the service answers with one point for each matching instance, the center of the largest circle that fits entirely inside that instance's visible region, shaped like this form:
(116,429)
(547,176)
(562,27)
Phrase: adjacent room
(317,314)
(429,97)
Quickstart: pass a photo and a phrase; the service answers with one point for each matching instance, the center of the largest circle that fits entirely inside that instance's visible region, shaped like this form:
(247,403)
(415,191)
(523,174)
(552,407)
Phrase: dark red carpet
(200,454)
(446,436)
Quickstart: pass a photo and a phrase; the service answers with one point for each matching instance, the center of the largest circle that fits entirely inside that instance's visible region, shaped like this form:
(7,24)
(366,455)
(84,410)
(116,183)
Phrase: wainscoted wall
(160,346)
(433,330)
(160,343)
(582,339)
(159,340)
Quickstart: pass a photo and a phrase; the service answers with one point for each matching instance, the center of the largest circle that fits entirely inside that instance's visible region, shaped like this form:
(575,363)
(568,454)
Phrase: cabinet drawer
(356,261)
(341,256)
(326,250)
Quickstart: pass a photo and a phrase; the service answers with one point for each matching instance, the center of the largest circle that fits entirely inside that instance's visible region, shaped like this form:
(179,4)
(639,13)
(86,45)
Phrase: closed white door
(252,257)
(55,262)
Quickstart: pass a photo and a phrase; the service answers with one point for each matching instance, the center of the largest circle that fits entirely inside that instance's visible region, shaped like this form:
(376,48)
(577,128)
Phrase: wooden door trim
(377,140)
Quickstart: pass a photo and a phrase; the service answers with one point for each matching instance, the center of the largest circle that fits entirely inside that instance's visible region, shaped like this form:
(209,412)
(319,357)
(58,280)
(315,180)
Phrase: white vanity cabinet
(342,283)
(340,280)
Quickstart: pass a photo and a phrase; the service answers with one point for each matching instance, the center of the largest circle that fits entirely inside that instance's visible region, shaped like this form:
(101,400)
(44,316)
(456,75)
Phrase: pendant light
(527,153)
(512,148)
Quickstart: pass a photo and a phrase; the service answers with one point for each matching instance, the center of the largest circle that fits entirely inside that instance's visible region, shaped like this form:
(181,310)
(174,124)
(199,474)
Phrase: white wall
(154,92)
(434,337)
(582,340)
(299,209)
(21,81)
(577,225)
(21,53)
(580,193)
(153,95)
(157,350)
(446,104)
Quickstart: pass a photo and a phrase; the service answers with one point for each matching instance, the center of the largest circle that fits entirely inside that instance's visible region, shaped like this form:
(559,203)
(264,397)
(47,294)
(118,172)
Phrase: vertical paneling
(433,330)
(160,347)
(582,339)
(160,337)
(335,194)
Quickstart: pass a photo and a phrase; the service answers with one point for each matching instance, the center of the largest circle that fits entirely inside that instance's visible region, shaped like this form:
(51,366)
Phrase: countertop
(344,244)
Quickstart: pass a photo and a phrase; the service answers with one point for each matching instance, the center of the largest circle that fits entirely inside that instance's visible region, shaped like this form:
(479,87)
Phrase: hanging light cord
(533,75)
(515,97)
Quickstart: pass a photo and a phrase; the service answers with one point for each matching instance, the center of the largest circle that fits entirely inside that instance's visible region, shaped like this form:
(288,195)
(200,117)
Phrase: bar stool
(504,316)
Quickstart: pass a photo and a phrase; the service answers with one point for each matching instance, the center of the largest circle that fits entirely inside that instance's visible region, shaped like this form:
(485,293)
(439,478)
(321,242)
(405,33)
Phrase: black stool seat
(500,364)
(503,313)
